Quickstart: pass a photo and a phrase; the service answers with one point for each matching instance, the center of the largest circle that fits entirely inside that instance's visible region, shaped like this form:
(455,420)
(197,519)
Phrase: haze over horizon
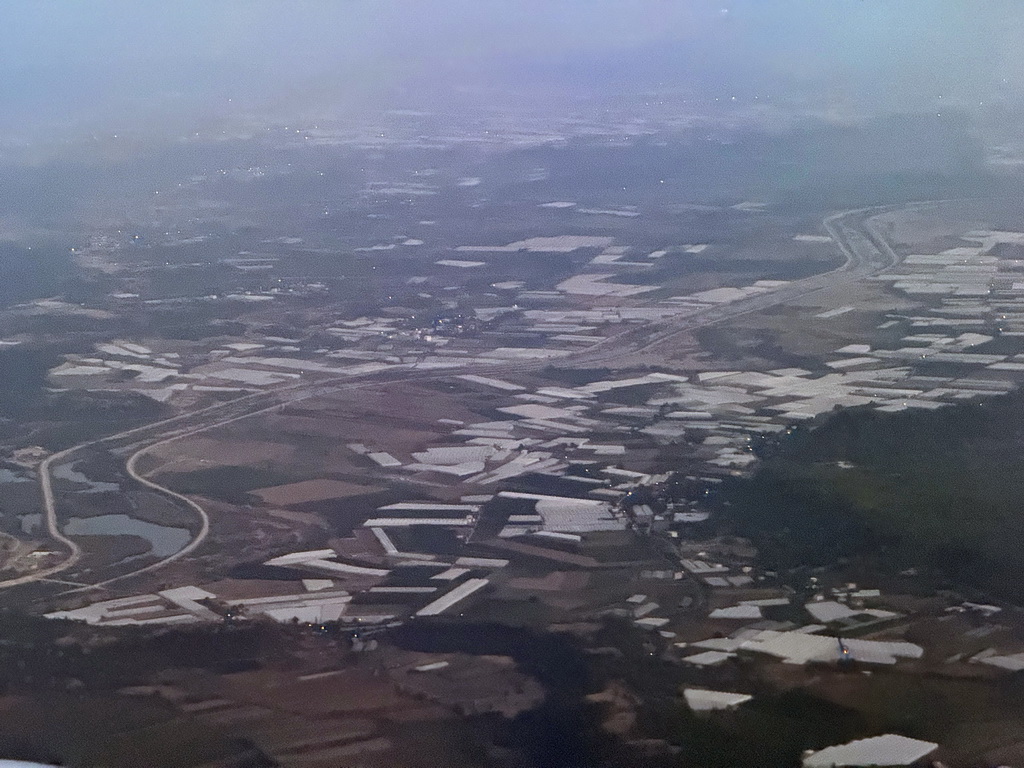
(83,66)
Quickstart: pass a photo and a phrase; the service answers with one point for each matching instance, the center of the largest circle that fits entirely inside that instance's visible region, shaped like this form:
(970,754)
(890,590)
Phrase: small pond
(70,474)
(163,539)
(10,476)
(30,521)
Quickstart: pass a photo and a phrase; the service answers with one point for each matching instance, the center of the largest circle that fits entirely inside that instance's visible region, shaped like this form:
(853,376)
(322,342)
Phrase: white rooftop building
(888,750)
(700,700)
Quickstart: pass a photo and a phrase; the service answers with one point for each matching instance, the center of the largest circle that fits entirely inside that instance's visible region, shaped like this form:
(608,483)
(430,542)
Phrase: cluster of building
(181,372)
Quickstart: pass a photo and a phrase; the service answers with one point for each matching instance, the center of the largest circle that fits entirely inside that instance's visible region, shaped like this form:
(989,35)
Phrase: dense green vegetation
(935,490)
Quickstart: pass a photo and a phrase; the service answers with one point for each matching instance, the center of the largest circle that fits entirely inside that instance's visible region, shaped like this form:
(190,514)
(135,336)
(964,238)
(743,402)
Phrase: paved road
(865,253)
(50,516)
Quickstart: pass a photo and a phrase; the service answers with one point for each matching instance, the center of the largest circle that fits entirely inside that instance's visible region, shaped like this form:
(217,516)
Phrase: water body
(30,521)
(9,476)
(162,539)
(70,474)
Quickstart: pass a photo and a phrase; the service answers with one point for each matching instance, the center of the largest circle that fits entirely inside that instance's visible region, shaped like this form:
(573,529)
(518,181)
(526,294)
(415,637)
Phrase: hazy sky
(66,59)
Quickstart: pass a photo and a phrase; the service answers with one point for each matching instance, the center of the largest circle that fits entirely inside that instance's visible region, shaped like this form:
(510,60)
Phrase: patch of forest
(935,490)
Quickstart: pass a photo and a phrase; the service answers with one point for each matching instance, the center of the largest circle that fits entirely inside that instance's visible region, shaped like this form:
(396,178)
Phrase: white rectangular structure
(702,700)
(890,749)
(383,459)
(457,595)
(405,522)
(301,557)
(489,382)
(419,506)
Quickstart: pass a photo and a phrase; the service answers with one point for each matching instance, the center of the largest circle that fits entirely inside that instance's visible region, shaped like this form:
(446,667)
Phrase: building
(887,750)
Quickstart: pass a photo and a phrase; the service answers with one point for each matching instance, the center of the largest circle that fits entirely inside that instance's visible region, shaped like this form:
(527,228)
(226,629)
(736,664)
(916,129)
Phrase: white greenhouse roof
(700,700)
(888,750)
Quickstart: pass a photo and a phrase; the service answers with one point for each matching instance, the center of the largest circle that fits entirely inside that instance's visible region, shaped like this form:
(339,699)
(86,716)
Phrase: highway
(865,253)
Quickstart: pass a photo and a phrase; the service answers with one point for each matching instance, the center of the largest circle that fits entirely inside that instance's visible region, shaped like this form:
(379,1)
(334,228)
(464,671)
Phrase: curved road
(865,252)
(52,528)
